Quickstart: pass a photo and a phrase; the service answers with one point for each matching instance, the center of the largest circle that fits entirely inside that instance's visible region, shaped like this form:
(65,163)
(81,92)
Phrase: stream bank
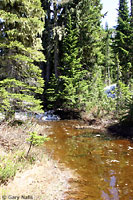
(80,161)
(39,178)
(108,124)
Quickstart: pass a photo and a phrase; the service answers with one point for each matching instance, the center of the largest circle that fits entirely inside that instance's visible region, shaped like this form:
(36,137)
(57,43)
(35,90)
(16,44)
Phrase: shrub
(35,140)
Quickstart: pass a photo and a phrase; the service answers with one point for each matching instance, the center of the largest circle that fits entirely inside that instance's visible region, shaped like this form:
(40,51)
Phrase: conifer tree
(89,16)
(20,76)
(51,37)
(80,52)
(47,41)
(73,76)
(130,42)
(122,38)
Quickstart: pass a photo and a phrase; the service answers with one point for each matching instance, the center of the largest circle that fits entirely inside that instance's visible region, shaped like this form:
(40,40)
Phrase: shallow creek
(104,164)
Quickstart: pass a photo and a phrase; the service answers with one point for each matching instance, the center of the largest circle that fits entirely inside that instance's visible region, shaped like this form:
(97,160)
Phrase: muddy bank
(107,124)
(67,114)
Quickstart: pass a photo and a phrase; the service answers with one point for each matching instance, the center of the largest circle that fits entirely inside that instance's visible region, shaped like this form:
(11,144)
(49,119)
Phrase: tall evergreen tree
(89,17)
(130,42)
(79,54)
(20,76)
(122,46)
(51,37)
(47,40)
(73,76)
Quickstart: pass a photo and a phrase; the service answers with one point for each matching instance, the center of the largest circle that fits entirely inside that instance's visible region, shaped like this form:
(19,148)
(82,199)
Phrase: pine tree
(75,89)
(122,46)
(20,76)
(51,37)
(79,53)
(89,16)
(52,44)
(47,41)
(130,42)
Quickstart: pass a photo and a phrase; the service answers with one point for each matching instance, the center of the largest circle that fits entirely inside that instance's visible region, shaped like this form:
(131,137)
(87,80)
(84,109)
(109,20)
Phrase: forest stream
(104,163)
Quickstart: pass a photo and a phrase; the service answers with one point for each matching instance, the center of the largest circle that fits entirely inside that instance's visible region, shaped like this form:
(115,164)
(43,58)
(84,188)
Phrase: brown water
(104,165)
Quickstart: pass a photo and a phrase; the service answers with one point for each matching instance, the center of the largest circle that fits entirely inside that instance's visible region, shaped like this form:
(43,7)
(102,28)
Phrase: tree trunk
(56,48)
(48,45)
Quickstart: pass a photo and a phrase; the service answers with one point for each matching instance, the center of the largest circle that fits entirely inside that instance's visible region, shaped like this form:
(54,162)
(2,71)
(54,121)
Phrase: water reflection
(113,193)
(104,164)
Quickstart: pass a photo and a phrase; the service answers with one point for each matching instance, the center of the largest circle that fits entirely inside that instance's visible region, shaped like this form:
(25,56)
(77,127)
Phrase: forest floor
(41,177)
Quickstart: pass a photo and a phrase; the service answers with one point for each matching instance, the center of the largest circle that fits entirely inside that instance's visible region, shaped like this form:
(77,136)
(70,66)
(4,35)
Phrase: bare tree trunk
(107,73)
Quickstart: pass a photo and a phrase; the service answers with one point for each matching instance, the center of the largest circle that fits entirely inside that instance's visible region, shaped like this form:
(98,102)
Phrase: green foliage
(15,96)
(78,24)
(20,76)
(108,69)
(127,117)
(7,170)
(125,103)
(9,165)
(98,103)
(123,41)
(35,140)
(90,33)
(52,94)
(87,59)
(73,76)
(4,100)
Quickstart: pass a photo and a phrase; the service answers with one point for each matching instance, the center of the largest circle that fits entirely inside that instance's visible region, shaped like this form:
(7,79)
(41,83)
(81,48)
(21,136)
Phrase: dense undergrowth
(120,107)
